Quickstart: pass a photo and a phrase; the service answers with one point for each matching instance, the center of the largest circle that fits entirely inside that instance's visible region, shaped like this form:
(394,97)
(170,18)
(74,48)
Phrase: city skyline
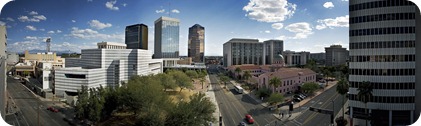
(297,23)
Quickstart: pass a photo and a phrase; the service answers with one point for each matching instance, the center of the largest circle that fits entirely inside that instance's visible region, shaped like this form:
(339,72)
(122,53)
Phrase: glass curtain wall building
(196,43)
(382,41)
(166,38)
(137,36)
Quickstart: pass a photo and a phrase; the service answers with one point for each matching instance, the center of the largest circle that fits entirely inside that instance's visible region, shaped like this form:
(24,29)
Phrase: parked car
(297,96)
(296,100)
(16,78)
(52,109)
(249,119)
(302,96)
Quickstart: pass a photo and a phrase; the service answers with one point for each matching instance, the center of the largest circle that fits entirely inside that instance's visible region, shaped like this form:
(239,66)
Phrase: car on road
(242,124)
(52,109)
(16,78)
(249,119)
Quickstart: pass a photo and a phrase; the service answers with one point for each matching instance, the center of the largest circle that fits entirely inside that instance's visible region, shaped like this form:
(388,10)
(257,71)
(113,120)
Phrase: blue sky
(79,24)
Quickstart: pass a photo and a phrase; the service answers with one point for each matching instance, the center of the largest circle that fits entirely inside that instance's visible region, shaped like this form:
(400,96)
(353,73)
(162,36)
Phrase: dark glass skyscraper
(137,36)
(382,39)
(166,38)
(196,49)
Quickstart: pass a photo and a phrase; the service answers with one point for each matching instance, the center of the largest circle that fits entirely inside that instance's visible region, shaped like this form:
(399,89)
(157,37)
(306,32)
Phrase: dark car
(249,119)
(296,100)
(52,109)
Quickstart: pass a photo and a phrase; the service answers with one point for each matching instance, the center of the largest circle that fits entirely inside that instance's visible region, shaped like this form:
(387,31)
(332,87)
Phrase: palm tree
(224,79)
(275,82)
(364,94)
(246,75)
(238,70)
(342,89)
(202,79)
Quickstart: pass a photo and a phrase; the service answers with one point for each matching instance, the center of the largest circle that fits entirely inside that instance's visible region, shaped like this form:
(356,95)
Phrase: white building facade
(106,67)
(382,53)
(292,58)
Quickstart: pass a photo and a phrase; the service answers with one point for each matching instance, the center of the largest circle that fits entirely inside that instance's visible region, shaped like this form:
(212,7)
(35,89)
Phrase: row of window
(385,44)
(383,72)
(378,4)
(383,58)
(385,99)
(382,31)
(382,17)
(385,85)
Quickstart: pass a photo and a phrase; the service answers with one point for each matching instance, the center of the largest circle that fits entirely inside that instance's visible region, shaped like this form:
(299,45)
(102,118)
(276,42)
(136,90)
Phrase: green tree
(263,92)
(364,94)
(310,87)
(275,98)
(82,103)
(224,79)
(275,82)
(181,79)
(167,81)
(342,88)
(191,73)
(238,71)
(246,75)
(198,111)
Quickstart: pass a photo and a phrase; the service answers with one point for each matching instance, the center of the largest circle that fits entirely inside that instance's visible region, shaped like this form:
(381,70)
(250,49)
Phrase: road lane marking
(315,113)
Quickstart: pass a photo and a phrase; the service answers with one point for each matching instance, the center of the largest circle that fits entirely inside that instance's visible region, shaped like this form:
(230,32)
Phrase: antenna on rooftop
(169,9)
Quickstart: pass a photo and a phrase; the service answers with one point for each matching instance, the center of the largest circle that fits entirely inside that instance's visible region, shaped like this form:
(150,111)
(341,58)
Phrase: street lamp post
(333,113)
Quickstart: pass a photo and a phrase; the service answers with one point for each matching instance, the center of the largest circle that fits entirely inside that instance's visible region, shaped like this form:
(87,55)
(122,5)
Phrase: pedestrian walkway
(211,94)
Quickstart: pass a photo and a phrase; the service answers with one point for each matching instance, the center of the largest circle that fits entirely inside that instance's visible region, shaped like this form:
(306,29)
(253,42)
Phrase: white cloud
(90,0)
(32,28)
(2,23)
(95,35)
(50,32)
(342,21)
(35,17)
(110,5)
(328,5)
(160,11)
(58,31)
(99,25)
(301,30)
(73,21)
(124,4)
(269,10)
(267,31)
(175,11)
(33,13)
(10,19)
(277,26)
(344,0)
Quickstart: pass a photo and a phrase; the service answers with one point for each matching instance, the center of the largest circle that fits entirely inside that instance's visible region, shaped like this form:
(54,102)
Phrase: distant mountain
(34,51)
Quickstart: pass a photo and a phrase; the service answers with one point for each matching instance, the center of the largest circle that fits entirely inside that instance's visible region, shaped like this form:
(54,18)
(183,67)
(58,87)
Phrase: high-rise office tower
(137,36)
(336,55)
(382,39)
(196,49)
(166,38)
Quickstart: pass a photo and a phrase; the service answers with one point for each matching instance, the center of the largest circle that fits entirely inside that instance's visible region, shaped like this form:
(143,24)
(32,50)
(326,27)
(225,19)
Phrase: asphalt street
(234,106)
(326,100)
(29,107)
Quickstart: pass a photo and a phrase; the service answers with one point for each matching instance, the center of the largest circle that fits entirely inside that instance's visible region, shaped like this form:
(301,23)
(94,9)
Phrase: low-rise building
(12,58)
(292,79)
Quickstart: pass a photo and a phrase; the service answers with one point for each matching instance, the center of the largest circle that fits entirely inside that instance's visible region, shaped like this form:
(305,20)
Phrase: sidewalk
(211,94)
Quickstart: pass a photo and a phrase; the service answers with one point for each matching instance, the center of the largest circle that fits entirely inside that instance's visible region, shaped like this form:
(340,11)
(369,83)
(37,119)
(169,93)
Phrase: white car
(16,78)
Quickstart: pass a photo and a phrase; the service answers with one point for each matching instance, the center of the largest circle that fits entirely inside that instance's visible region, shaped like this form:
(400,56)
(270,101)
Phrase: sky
(79,24)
